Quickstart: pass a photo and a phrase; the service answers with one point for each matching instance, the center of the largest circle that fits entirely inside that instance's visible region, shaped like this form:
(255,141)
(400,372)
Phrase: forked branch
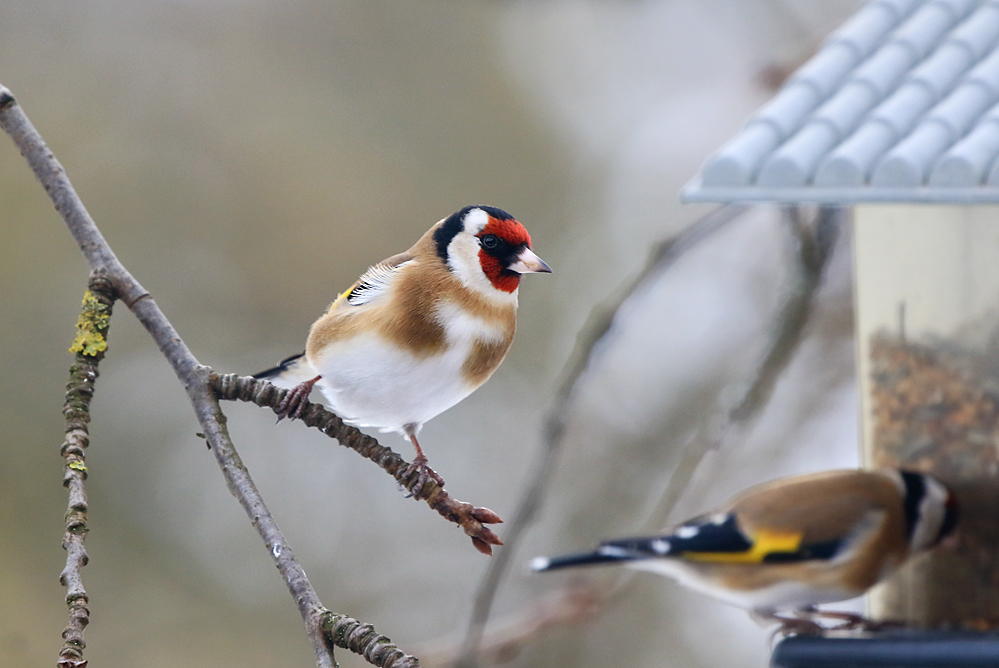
(324,628)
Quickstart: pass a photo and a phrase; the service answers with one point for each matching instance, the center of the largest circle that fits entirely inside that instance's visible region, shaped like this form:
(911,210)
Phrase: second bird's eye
(490,241)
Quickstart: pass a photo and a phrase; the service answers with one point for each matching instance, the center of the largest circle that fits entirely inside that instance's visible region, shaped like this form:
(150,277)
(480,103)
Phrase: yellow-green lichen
(91,326)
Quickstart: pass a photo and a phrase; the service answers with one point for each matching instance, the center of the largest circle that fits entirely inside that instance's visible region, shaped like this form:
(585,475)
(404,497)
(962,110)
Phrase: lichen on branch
(110,281)
(93,324)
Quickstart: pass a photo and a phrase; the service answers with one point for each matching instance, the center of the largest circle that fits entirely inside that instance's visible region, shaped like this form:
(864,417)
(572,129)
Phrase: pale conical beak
(529,263)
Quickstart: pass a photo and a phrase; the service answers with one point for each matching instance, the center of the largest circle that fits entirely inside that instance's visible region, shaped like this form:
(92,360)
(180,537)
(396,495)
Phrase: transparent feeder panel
(927,294)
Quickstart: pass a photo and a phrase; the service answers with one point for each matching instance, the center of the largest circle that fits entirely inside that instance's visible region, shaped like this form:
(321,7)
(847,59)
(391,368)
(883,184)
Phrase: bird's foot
(420,464)
(296,400)
(797,626)
(806,622)
(854,622)
(789,626)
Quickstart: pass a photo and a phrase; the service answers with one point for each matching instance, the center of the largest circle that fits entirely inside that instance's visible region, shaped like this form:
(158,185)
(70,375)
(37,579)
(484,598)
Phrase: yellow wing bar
(764,542)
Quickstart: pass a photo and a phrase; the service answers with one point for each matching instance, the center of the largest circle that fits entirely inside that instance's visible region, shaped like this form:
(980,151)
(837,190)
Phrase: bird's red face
(500,243)
(505,253)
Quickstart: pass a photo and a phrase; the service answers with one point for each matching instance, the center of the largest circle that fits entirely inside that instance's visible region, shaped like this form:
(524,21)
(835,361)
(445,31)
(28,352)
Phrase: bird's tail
(605,555)
(289,372)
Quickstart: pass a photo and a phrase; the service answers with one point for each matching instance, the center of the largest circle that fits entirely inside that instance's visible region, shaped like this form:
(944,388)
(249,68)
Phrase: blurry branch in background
(324,628)
(465,515)
(89,346)
(812,243)
(595,331)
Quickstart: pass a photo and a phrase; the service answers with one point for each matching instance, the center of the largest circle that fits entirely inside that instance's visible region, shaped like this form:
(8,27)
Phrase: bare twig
(598,327)
(89,346)
(467,516)
(194,377)
(813,246)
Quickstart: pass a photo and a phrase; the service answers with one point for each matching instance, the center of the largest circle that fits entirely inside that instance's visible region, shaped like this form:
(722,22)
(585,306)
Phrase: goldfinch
(418,332)
(793,543)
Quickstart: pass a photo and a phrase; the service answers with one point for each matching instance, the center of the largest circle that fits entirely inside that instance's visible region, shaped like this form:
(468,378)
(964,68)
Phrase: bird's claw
(295,402)
(420,465)
(805,623)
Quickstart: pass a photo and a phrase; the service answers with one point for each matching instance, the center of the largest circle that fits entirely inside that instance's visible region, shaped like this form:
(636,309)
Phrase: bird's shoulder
(397,300)
(821,508)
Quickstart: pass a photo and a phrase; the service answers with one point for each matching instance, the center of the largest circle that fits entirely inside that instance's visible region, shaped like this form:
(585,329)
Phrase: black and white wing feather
(374,282)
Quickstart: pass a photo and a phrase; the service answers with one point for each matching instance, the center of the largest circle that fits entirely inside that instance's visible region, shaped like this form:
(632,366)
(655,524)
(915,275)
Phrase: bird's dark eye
(489,241)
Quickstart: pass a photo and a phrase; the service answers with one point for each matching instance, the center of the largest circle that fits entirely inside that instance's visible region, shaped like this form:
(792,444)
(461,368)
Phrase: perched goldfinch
(793,543)
(420,331)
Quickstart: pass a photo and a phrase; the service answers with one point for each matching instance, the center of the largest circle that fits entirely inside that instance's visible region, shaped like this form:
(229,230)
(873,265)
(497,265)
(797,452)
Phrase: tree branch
(812,247)
(362,639)
(468,517)
(89,346)
(194,377)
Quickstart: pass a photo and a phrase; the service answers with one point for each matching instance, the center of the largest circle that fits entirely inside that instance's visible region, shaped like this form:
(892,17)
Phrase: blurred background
(247,161)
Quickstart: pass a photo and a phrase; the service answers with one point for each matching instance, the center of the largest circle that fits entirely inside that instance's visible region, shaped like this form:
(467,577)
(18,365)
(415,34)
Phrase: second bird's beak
(529,263)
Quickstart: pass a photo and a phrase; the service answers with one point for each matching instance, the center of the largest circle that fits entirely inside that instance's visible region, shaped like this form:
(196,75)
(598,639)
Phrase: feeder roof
(901,104)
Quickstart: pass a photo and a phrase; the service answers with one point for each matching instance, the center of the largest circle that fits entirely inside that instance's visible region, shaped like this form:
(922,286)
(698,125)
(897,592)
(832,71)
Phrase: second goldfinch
(793,543)
(420,331)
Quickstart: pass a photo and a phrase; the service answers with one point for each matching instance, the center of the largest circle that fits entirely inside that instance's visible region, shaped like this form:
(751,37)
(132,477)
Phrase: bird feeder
(896,118)
(927,305)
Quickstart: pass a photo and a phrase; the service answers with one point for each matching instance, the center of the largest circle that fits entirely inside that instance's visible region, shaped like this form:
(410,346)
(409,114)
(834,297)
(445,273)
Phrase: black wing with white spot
(719,538)
(715,534)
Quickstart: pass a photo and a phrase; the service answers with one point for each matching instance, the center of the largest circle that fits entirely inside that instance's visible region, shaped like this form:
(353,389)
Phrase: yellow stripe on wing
(764,542)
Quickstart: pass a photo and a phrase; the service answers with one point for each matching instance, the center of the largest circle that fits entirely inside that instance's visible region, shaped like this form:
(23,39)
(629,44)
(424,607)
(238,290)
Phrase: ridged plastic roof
(900,104)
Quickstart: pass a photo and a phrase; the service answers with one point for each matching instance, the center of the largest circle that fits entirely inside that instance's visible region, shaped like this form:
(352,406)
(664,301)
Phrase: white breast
(371,382)
(786,595)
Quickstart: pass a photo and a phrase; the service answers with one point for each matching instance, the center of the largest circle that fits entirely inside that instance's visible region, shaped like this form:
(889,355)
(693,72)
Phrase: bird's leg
(806,622)
(296,400)
(420,464)
(789,626)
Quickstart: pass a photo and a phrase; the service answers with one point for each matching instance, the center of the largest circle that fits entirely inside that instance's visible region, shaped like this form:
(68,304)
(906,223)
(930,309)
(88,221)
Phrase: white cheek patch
(463,258)
(932,510)
(660,546)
